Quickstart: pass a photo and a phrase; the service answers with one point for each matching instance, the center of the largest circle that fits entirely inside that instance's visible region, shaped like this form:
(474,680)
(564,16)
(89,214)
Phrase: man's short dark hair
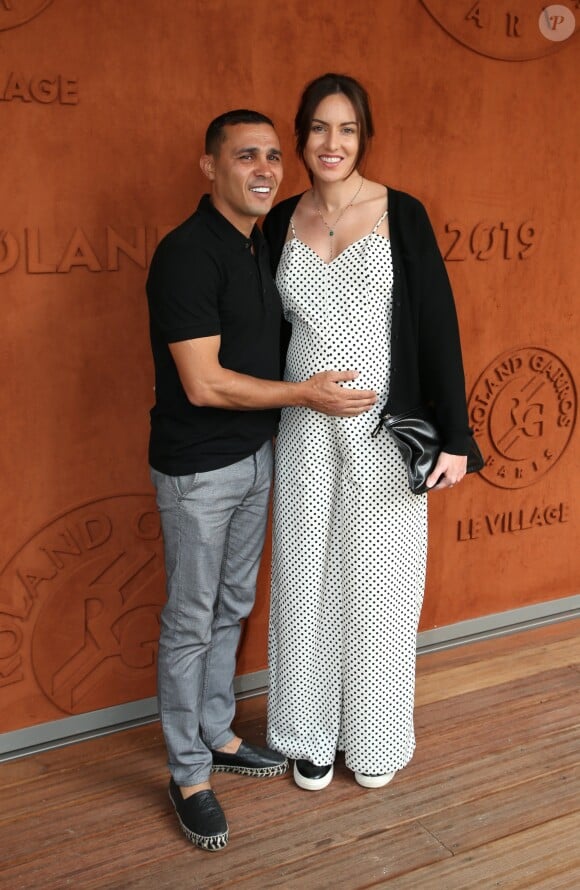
(215,134)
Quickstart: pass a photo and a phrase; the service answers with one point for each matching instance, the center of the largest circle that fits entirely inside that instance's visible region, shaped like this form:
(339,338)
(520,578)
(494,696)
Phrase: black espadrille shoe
(250,760)
(201,818)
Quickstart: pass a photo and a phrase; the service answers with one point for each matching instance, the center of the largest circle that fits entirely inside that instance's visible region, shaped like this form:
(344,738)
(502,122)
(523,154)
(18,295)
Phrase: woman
(364,287)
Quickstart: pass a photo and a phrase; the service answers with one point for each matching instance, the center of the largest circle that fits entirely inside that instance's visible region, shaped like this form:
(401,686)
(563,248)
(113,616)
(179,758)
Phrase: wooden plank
(464,730)
(505,668)
(544,858)
(441,750)
(271,820)
(147,840)
(76,756)
(495,815)
(478,651)
(496,763)
(59,789)
(361,862)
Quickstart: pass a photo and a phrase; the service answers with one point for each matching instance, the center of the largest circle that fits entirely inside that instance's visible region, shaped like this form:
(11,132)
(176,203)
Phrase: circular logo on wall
(18,12)
(523,412)
(518,31)
(79,611)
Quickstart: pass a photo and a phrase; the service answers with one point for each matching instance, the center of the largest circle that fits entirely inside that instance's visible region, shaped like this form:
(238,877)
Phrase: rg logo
(523,412)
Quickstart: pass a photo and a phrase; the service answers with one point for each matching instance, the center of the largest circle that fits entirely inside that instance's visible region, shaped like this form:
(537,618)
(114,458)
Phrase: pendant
(331,232)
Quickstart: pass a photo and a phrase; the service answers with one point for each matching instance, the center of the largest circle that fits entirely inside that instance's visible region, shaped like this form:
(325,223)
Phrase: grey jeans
(214,525)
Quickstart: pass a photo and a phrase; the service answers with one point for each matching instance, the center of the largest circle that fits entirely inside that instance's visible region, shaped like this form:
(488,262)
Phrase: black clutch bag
(418,440)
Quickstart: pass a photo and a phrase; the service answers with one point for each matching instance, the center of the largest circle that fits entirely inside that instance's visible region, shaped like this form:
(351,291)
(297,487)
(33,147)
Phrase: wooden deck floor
(491,798)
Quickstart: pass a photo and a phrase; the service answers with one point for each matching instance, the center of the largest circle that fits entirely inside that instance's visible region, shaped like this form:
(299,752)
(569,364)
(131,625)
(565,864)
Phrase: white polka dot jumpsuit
(350,539)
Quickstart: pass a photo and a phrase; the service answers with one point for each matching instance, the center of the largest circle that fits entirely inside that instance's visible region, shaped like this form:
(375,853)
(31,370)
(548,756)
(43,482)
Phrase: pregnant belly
(308,357)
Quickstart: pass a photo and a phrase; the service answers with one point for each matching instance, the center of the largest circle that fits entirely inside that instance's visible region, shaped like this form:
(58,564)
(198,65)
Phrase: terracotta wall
(103,106)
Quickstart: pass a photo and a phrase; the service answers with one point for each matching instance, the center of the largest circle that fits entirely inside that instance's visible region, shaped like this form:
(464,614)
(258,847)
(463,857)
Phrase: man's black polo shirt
(204,280)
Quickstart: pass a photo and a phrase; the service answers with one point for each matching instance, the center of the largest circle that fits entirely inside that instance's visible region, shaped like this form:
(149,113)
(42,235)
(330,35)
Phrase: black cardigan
(426,364)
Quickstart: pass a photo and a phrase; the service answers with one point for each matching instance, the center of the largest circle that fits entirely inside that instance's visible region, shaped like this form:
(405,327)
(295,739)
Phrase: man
(215,334)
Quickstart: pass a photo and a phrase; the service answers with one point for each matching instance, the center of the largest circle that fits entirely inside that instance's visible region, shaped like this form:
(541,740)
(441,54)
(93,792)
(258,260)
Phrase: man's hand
(207,384)
(448,471)
(322,392)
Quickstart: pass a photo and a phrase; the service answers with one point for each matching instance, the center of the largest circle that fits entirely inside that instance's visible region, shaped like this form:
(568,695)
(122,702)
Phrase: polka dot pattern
(350,539)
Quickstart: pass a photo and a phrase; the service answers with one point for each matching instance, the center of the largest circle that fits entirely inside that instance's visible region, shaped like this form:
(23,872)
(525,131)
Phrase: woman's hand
(448,471)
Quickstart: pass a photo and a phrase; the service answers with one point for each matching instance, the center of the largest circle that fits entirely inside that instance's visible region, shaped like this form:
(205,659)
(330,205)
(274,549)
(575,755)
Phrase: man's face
(245,173)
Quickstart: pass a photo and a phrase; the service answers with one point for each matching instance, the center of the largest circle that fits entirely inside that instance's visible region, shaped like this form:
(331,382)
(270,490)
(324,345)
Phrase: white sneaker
(373,781)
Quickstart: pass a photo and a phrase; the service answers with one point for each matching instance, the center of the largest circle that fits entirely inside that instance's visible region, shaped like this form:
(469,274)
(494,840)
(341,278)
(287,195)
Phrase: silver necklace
(331,229)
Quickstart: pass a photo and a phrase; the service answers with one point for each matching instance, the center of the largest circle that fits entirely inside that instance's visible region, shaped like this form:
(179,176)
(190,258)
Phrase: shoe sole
(212,843)
(374,781)
(312,784)
(265,772)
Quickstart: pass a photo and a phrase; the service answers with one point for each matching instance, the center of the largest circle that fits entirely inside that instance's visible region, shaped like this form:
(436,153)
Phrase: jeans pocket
(184,485)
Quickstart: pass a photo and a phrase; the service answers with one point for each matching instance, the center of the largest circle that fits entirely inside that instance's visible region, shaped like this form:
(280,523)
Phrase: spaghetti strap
(292,227)
(383,217)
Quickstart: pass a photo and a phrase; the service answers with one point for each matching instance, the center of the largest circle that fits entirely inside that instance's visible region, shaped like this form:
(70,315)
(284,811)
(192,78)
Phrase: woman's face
(332,146)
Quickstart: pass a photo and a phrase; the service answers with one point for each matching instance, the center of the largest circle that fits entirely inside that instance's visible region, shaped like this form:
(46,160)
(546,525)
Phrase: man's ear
(207,164)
